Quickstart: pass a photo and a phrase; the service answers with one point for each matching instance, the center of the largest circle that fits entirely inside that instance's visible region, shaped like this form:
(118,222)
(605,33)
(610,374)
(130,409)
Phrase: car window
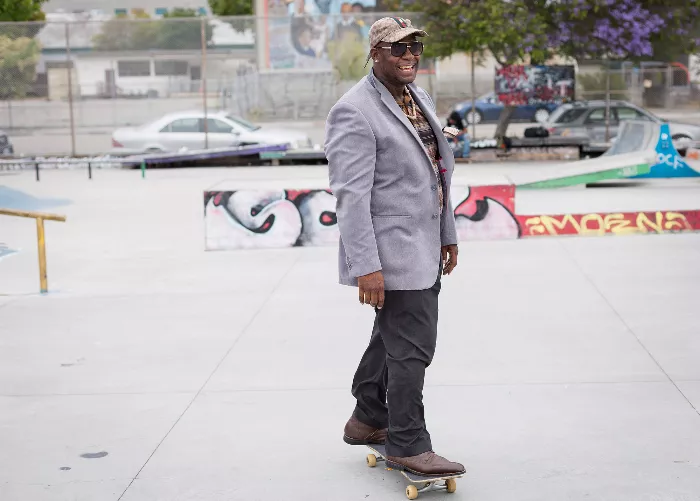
(570,115)
(629,114)
(597,116)
(214,125)
(182,125)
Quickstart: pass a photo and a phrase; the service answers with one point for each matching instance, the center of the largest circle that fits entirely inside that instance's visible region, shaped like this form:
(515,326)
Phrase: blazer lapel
(390,103)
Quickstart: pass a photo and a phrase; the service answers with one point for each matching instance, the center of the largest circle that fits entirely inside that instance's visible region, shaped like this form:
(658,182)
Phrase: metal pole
(42,254)
(69,66)
(89,170)
(203,76)
(607,103)
(473,101)
(36,168)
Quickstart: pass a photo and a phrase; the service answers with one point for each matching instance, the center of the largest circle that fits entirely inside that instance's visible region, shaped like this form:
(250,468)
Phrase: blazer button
(434,187)
(435,216)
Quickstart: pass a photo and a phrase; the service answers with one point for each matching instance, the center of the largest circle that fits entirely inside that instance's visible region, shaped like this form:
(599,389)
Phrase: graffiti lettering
(601,224)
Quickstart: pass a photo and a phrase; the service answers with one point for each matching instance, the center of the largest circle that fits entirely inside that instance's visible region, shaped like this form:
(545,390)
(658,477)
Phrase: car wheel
(541,115)
(473,118)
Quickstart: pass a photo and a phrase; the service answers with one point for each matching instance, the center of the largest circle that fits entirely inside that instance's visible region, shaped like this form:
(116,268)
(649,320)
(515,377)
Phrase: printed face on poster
(532,85)
(299,31)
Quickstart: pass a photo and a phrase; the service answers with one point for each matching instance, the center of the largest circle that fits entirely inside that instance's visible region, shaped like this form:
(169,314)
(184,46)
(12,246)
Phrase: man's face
(396,70)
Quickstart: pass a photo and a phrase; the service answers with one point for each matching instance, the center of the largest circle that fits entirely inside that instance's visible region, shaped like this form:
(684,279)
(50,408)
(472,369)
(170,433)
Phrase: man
(390,168)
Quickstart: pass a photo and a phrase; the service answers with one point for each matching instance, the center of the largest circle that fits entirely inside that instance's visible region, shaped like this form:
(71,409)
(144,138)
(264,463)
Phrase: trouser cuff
(404,452)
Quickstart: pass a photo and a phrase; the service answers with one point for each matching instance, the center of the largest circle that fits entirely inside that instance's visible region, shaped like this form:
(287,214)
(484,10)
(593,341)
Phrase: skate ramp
(638,135)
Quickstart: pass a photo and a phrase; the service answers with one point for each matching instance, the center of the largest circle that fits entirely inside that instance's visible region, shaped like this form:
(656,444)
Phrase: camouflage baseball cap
(391,29)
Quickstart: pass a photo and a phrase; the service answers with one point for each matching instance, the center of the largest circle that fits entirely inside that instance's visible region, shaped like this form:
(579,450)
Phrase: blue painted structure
(670,163)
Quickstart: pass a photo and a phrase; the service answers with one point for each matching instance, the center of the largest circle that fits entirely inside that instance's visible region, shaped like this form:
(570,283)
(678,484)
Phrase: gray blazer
(386,189)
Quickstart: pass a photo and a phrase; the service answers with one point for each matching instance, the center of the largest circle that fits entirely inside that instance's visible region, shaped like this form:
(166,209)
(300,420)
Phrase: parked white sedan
(185,130)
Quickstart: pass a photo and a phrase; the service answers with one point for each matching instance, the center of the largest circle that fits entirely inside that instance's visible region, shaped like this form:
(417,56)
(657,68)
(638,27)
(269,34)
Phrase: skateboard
(425,483)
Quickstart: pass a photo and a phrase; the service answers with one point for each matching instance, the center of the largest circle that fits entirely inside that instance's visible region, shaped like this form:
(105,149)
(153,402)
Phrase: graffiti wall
(290,218)
(536,84)
(622,223)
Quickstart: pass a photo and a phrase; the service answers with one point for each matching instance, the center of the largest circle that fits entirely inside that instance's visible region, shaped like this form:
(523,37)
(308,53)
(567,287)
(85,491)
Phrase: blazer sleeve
(351,150)
(448,232)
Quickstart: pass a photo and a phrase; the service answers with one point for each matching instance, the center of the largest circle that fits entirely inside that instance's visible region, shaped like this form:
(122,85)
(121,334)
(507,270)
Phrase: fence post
(473,100)
(203,76)
(607,103)
(69,66)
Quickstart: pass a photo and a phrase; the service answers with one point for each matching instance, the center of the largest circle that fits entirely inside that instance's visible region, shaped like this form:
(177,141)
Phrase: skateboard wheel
(451,484)
(371,460)
(411,492)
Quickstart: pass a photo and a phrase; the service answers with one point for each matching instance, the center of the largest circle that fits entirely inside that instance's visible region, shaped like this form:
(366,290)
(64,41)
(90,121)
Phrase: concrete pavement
(566,368)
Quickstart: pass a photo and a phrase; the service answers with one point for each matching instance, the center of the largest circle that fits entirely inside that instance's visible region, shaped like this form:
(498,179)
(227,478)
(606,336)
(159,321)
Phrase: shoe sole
(356,441)
(400,467)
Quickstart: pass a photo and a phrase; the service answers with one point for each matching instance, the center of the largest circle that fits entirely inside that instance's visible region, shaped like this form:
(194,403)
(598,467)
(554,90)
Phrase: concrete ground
(566,368)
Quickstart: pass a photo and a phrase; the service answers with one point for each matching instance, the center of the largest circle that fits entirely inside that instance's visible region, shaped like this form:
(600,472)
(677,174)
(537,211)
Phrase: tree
(18,60)
(21,10)
(179,30)
(231,7)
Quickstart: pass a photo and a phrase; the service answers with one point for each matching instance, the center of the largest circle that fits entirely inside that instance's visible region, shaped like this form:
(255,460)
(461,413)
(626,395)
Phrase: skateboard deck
(429,482)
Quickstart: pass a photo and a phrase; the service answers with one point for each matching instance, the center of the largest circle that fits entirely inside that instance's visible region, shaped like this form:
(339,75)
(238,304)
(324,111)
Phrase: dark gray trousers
(388,384)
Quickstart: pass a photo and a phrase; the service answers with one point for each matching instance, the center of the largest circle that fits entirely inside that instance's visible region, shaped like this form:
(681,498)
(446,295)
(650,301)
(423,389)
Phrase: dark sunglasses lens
(398,49)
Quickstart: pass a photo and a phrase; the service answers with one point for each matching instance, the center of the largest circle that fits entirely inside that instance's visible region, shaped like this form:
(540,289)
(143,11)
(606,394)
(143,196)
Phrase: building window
(171,67)
(134,68)
(161,11)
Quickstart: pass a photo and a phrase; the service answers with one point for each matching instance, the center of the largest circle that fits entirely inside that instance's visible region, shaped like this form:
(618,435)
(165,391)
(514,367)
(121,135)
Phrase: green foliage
(510,30)
(21,10)
(232,7)
(18,60)
(179,30)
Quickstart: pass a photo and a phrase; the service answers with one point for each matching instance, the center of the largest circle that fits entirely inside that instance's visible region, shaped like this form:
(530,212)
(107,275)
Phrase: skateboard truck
(419,483)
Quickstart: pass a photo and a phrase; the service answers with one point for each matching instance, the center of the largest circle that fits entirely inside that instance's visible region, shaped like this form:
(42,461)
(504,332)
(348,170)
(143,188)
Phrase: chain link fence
(65,86)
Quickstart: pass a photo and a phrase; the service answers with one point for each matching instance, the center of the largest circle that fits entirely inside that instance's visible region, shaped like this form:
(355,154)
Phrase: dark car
(6,147)
(587,119)
(488,109)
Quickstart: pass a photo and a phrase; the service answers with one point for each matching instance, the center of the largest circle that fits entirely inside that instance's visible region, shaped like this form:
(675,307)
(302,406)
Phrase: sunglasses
(398,49)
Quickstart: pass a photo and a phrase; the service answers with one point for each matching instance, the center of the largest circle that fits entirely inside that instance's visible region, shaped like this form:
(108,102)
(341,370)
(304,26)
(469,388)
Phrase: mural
(299,31)
(537,84)
(249,219)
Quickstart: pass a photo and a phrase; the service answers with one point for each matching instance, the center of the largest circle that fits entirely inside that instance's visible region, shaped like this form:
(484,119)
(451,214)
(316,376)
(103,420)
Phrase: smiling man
(390,169)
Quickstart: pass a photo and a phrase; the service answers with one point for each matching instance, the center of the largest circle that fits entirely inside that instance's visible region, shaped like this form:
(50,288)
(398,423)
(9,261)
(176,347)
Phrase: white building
(153,8)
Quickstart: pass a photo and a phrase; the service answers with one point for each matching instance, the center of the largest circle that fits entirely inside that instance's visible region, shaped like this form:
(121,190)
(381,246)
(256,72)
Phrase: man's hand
(372,289)
(449,258)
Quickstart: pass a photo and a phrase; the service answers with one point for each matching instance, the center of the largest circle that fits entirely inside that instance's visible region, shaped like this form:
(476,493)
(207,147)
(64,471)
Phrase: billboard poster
(299,32)
(535,84)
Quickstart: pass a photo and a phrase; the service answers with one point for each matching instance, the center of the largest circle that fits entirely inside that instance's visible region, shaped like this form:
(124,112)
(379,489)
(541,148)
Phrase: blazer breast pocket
(391,216)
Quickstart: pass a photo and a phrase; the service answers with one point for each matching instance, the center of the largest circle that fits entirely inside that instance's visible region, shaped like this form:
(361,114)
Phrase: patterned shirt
(426,134)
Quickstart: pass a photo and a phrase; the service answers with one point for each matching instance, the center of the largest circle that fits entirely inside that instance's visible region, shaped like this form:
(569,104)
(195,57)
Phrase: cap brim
(403,33)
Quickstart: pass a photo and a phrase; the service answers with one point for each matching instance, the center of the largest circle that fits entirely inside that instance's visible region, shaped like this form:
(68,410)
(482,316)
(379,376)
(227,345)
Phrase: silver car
(185,131)
(587,119)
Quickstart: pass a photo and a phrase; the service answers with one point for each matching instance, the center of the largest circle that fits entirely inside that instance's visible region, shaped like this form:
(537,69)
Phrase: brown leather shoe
(428,463)
(358,433)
